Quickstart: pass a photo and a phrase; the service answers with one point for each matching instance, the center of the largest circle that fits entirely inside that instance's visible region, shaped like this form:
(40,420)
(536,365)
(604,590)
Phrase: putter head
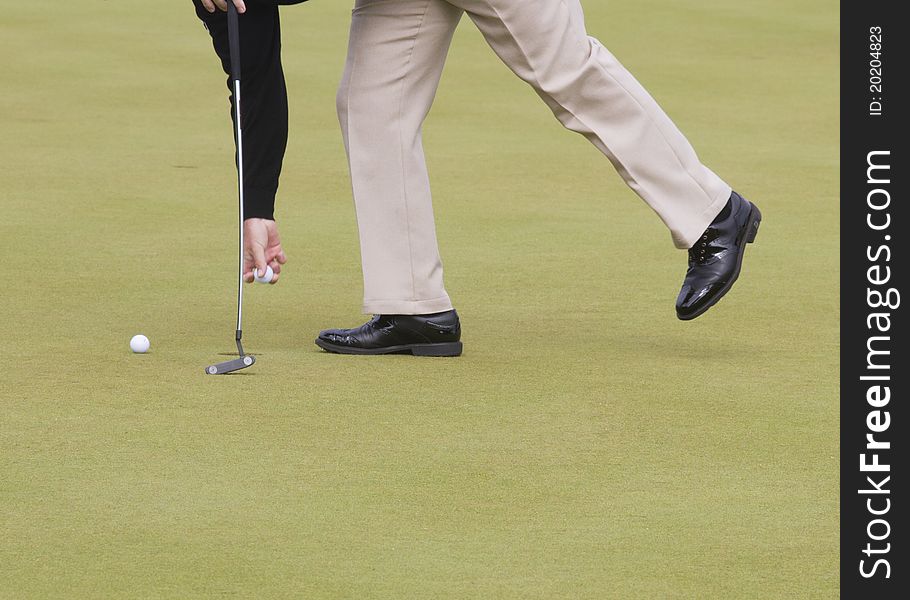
(231,366)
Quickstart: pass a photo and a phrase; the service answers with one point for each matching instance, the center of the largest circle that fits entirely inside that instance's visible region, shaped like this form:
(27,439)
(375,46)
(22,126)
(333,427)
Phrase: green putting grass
(587,444)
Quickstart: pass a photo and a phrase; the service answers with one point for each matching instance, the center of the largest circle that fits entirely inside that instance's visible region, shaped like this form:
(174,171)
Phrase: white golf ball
(139,344)
(266,277)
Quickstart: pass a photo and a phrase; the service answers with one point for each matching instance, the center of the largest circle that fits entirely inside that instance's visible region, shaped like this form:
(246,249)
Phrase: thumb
(259,259)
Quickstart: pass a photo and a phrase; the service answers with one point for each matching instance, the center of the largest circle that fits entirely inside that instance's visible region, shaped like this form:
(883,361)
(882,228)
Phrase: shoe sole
(447,349)
(749,232)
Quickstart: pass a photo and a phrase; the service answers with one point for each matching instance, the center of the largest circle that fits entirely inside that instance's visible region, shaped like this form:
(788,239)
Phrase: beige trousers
(396,54)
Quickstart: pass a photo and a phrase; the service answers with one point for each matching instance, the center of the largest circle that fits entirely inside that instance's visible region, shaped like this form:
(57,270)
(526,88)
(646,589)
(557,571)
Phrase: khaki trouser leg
(395,59)
(545,43)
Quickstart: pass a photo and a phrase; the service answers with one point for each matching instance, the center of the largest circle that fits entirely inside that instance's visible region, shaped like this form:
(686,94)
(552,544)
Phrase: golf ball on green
(139,344)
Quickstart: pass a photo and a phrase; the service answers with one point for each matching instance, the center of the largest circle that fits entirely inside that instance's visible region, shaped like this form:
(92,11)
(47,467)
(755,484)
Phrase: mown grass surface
(587,445)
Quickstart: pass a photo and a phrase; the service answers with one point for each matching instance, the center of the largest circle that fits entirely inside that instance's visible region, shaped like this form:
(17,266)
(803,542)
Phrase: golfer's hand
(261,248)
(210,5)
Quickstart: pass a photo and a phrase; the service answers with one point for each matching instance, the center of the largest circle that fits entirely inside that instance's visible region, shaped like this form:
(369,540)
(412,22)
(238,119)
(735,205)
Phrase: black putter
(245,359)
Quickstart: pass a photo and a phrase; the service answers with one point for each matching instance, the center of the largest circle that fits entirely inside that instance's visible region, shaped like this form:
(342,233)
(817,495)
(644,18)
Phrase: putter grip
(234,39)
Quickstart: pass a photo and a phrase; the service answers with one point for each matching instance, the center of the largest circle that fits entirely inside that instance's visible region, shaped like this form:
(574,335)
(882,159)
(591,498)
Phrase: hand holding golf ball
(262,252)
(264,277)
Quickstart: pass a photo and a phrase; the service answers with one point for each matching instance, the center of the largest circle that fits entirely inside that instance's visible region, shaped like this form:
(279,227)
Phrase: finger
(276,267)
(207,5)
(259,259)
(221,4)
(247,267)
(275,255)
(241,6)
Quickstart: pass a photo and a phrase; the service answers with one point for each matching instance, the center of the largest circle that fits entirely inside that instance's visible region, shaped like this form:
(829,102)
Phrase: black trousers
(264,98)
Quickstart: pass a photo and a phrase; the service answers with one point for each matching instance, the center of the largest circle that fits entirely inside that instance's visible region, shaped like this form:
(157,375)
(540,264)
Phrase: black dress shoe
(716,259)
(438,334)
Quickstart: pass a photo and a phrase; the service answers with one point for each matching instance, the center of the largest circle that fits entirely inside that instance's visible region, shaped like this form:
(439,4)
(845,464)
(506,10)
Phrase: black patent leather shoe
(716,259)
(438,334)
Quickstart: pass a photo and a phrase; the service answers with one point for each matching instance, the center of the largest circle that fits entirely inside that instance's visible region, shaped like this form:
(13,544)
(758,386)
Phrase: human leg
(546,44)
(396,54)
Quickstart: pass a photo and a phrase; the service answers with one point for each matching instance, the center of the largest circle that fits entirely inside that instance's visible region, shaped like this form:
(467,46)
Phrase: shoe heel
(754,222)
(449,349)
